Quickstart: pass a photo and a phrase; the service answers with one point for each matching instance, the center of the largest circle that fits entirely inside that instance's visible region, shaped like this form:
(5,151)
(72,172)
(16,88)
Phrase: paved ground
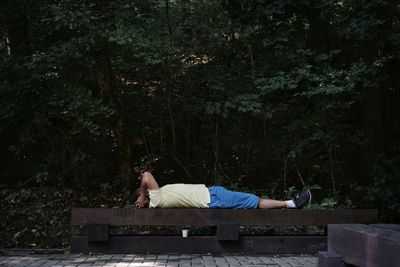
(27,259)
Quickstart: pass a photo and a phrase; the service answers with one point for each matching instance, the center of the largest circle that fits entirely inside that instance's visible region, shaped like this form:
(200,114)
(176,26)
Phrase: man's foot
(303,199)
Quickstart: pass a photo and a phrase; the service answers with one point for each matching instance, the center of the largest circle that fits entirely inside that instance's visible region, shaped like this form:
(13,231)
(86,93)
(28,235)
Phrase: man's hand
(141,202)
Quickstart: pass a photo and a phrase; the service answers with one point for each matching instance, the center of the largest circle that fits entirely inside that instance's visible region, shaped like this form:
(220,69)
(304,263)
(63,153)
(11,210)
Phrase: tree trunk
(16,23)
(372,111)
(103,67)
(125,152)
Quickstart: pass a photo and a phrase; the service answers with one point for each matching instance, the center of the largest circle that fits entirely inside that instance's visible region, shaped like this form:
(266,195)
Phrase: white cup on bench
(185,232)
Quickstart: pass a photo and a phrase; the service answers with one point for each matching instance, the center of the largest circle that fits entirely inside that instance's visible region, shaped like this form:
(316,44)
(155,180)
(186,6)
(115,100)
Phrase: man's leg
(297,203)
(224,198)
(271,204)
(148,182)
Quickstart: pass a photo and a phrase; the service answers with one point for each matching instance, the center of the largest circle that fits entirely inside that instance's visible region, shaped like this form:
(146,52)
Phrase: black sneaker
(303,199)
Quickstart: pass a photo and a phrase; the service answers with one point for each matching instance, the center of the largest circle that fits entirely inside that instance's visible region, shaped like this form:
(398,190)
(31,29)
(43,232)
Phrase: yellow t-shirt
(180,196)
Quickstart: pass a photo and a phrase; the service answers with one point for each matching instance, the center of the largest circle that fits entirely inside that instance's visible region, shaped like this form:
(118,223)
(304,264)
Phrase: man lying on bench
(199,196)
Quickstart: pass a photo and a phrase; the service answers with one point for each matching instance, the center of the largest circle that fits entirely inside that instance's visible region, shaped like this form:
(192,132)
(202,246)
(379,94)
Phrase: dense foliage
(261,95)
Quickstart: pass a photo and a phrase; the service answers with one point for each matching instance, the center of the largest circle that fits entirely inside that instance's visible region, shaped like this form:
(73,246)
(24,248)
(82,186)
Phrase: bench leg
(228,232)
(97,232)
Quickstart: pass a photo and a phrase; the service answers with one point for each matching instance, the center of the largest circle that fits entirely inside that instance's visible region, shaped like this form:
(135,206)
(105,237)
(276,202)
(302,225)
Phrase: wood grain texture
(206,217)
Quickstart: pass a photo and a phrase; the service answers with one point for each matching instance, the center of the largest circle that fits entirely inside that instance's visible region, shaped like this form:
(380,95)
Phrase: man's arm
(148,182)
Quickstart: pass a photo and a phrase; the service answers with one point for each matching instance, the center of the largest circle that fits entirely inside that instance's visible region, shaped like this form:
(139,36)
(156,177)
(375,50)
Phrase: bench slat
(205,217)
(200,244)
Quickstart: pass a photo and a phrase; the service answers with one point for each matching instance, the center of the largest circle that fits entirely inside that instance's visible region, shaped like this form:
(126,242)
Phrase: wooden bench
(226,239)
(362,245)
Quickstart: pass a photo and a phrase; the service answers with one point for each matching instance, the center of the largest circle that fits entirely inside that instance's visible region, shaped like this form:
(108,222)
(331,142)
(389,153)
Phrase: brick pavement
(173,260)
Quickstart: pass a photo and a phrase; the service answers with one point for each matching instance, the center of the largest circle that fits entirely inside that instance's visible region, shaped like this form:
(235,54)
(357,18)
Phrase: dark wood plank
(202,217)
(363,245)
(200,244)
(228,231)
(97,232)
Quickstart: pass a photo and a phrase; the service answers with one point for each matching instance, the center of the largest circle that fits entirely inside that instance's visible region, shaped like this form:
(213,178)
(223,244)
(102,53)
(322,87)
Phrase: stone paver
(158,260)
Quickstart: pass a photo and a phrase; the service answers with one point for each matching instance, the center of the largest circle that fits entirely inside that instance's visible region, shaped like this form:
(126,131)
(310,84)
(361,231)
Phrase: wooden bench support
(364,245)
(200,244)
(228,231)
(97,232)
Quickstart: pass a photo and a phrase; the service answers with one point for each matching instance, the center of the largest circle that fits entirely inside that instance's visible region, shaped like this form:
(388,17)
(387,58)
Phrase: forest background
(262,96)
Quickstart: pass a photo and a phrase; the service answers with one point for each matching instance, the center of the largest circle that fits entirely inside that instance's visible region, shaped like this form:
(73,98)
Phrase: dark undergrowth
(39,217)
